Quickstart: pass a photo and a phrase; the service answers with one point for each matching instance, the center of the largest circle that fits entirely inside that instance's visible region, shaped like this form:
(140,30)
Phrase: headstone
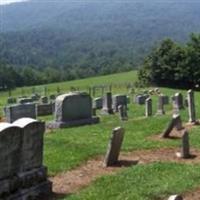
(44,99)
(45,109)
(123,112)
(148,107)
(185,146)
(114,147)
(15,112)
(98,103)
(22,175)
(24,100)
(160,110)
(174,123)
(119,100)
(177,102)
(140,99)
(165,99)
(107,103)
(191,106)
(73,109)
(175,197)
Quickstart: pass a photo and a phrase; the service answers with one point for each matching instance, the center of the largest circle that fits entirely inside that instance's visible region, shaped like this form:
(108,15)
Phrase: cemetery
(86,140)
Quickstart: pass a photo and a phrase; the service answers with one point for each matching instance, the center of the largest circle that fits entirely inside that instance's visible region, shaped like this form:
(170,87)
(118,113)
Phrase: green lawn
(65,149)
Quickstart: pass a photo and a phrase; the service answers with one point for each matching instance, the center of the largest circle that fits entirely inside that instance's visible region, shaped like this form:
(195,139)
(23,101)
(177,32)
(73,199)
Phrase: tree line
(173,65)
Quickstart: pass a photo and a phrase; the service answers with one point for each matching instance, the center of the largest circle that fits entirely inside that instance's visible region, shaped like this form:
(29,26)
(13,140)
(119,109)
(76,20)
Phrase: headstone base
(54,125)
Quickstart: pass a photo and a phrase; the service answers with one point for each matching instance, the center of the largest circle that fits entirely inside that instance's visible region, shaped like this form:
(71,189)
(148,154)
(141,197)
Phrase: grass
(65,149)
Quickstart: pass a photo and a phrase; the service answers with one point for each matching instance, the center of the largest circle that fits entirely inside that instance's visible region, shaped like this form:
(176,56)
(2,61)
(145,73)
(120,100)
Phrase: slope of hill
(98,37)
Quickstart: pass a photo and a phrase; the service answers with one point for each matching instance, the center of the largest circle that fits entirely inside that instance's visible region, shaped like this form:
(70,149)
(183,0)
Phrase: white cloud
(4,2)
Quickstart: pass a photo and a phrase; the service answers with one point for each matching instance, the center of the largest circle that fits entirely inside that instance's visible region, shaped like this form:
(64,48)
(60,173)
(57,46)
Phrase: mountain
(91,36)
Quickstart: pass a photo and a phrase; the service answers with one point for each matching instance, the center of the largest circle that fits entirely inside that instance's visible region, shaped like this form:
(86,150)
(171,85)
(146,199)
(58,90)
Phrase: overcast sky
(2,2)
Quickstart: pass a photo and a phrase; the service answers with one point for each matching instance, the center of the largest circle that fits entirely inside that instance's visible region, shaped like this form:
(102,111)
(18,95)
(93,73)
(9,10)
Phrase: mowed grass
(65,149)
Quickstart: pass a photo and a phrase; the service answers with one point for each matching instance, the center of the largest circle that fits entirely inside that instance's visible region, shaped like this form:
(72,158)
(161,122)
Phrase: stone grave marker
(174,123)
(123,112)
(148,107)
(191,106)
(73,109)
(119,100)
(107,104)
(15,112)
(185,146)
(114,147)
(98,103)
(160,109)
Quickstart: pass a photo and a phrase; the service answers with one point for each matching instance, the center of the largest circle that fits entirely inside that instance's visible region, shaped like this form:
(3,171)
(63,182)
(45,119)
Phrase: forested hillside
(86,38)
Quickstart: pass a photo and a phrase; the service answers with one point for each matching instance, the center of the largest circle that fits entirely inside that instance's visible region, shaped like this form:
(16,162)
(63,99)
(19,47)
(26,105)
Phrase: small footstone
(175,197)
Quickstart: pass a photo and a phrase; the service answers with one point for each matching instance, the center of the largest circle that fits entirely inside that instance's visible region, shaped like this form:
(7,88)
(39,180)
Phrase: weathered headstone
(191,106)
(114,147)
(123,112)
(185,146)
(177,101)
(73,109)
(174,123)
(22,175)
(148,107)
(45,109)
(98,103)
(107,103)
(160,110)
(15,112)
(118,100)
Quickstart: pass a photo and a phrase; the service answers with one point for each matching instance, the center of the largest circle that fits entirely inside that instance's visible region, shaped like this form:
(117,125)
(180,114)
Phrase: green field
(69,148)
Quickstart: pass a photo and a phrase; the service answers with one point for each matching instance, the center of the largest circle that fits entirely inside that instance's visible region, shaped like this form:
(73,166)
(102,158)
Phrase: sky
(3,2)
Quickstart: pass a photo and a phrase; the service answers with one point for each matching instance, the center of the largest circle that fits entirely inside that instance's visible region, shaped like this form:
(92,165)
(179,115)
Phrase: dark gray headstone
(45,109)
(118,100)
(98,103)
(114,147)
(15,112)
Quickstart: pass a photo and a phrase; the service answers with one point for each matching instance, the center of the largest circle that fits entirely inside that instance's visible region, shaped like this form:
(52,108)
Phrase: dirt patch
(72,181)
(193,195)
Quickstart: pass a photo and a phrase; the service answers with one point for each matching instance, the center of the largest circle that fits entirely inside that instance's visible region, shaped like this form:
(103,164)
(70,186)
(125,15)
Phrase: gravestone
(45,109)
(160,109)
(185,146)
(107,104)
(15,112)
(165,99)
(140,99)
(98,103)
(44,99)
(114,147)
(123,112)
(148,107)
(191,106)
(119,100)
(174,123)
(177,101)
(22,175)
(72,109)
(10,153)
(24,100)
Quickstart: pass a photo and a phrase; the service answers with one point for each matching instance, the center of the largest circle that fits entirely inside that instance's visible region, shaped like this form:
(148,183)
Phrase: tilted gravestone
(174,123)
(98,103)
(119,100)
(123,112)
(185,146)
(114,147)
(191,106)
(21,161)
(148,107)
(107,104)
(73,109)
(15,112)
